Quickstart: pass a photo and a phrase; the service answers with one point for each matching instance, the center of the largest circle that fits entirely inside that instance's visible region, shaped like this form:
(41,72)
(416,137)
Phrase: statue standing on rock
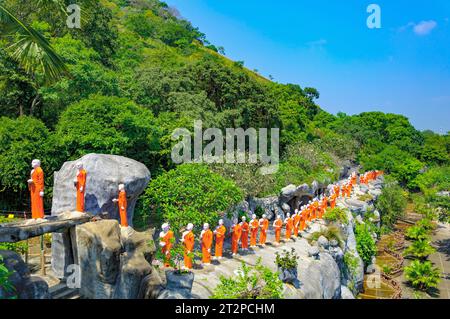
(36,187)
(80,184)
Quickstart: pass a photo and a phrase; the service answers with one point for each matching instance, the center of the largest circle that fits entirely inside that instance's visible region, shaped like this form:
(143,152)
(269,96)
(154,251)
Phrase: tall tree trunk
(36,102)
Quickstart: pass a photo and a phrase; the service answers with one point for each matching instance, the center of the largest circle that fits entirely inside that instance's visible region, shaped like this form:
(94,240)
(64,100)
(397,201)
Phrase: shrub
(287,260)
(5,284)
(417,233)
(391,204)
(426,224)
(191,193)
(420,249)
(351,263)
(20,247)
(422,275)
(336,214)
(256,282)
(365,244)
(332,232)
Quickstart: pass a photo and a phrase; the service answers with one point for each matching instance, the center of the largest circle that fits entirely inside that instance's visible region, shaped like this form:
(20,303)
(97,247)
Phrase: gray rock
(99,249)
(133,269)
(314,252)
(288,275)
(363,188)
(370,269)
(151,286)
(25,285)
(346,293)
(104,174)
(321,279)
(35,288)
(334,243)
(375,192)
(286,208)
(323,242)
(268,204)
(376,215)
(356,206)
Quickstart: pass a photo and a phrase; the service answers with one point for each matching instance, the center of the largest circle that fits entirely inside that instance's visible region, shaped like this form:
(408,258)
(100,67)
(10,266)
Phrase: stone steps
(61,291)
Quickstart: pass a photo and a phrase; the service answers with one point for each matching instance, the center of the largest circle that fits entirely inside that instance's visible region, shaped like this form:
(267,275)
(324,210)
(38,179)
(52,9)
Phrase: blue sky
(404,67)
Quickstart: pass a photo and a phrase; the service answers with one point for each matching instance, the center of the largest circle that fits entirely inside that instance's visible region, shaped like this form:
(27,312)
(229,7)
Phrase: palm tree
(30,48)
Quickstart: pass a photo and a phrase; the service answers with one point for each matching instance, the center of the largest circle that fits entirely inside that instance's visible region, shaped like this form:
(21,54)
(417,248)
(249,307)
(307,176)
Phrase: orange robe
(289,227)
(315,209)
(296,224)
(123,208)
(278,226)
(303,219)
(189,241)
(244,236)
(37,186)
(167,239)
(264,224)
(81,182)
(254,226)
(237,233)
(220,237)
(207,240)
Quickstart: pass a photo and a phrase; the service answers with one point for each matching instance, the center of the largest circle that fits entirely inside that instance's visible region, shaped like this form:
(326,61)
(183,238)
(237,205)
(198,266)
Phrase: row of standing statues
(36,188)
(245,235)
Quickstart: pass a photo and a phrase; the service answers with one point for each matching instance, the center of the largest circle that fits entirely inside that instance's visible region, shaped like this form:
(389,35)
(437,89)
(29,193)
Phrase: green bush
(191,193)
(420,249)
(351,263)
(5,284)
(422,275)
(391,204)
(417,233)
(256,282)
(287,259)
(365,244)
(336,214)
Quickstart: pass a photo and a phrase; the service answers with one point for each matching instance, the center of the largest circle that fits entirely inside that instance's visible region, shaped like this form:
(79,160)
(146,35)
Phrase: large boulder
(321,279)
(113,261)
(104,174)
(25,285)
(268,204)
(99,249)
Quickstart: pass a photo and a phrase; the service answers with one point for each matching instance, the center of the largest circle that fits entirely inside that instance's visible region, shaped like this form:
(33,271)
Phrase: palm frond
(30,48)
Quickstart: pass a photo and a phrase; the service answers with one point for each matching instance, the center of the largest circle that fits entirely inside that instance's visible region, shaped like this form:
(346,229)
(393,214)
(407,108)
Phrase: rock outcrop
(104,174)
(25,285)
(114,262)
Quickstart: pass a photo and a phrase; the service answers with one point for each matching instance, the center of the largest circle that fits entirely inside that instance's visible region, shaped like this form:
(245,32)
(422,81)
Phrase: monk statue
(188,240)
(254,227)
(220,237)
(236,231)
(278,225)
(122,203)
(165,241)
(206,238)
(244,236)
(80,184)
(264,225)
(36,187)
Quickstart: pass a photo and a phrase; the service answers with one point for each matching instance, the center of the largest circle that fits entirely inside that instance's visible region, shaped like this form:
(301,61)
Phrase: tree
(365,244)
(391,203)
(30,48)
(21,140)
(108,125)
(191,193)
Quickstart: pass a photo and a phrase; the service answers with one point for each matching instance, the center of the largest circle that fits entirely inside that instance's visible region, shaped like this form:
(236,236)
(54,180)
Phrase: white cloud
(421,29)
(425,27)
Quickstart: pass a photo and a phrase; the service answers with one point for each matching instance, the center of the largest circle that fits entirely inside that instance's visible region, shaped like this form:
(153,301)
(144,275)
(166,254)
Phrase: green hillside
(137,71)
